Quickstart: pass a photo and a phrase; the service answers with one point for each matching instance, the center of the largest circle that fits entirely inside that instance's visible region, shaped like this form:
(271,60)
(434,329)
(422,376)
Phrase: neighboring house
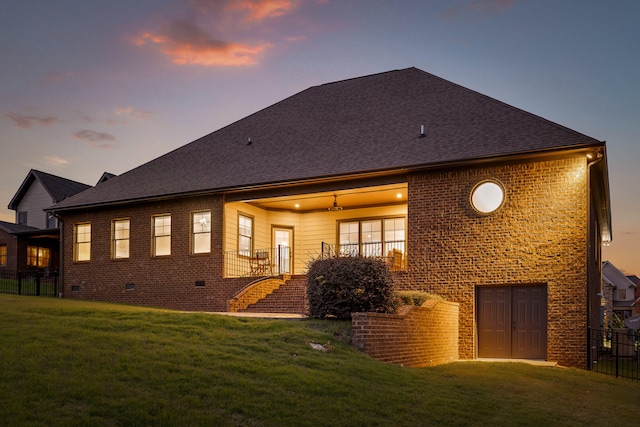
(487,205)
(33,241)
(636,296)
(619,294)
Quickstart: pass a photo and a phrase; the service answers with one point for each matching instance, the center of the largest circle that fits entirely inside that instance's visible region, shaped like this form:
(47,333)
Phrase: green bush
(415,297)
(339,286)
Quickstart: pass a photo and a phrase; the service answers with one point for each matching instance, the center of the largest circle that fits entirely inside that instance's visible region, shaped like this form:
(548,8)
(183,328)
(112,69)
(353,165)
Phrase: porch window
(245,235)
(201,229)
(162,235)
(372,237)
(3,255)
(38,257)
(120,244)
(82,242)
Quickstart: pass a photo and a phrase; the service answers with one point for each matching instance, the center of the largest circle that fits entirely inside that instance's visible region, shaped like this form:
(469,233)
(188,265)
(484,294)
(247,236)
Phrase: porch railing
(36,283)
(258,263)
(393,252)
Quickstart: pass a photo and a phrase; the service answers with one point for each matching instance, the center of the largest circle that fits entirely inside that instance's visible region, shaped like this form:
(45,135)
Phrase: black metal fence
(34,283)
(615,352)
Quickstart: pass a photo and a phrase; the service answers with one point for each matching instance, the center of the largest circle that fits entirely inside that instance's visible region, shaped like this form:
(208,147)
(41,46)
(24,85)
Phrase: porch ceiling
(346,199)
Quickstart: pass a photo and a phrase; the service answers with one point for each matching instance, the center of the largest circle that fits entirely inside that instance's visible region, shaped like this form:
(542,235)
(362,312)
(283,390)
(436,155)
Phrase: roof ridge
(58,177)
(366,76)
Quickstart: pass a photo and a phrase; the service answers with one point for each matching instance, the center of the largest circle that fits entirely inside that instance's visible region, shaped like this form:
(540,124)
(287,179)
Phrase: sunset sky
(90,86)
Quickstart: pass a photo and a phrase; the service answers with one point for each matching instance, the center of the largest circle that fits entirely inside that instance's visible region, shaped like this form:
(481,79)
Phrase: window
(487,197)
(120,243)
(622,294)
(52,222)
(349,238)
(22,218)
(372,237)
(3,255)
(38,257)
(82,242)
(201,229)
(394,235)
(162,235)
(245,235)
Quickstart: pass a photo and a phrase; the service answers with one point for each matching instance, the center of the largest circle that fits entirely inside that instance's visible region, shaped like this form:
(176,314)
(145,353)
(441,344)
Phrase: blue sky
(94,86)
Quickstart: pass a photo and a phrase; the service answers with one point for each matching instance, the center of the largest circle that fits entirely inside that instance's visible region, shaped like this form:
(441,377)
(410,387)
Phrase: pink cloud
(100,140)
(132,112)
(480,7)
(28,122)
(185,44)
(259,10)
(59,76)
(295,39)
(55,161)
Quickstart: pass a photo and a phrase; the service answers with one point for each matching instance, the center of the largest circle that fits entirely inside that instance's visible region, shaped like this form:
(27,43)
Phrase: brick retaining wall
(416,336)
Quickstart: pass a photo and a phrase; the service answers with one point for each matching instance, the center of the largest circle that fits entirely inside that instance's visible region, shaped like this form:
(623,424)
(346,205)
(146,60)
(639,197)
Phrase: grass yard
(28,286)
(76,363)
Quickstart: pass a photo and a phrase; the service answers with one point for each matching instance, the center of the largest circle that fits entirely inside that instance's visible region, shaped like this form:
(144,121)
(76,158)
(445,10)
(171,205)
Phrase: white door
(283,242)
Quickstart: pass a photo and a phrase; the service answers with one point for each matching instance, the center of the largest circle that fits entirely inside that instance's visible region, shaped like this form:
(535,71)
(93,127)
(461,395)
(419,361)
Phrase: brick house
(487,205)
(32,242)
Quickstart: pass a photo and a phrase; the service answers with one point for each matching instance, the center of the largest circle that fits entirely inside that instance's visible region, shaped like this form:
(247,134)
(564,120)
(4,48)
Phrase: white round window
(487,196)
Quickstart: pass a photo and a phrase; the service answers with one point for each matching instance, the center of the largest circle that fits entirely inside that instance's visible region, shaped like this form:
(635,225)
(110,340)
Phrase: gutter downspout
(61,255)
(598,159)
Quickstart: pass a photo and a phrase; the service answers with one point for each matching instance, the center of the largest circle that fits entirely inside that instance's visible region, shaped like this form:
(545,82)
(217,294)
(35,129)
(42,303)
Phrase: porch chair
(260,263)
(395,259)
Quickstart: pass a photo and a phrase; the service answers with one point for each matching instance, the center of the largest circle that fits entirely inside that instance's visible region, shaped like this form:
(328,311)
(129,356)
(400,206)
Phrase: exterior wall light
(487,196)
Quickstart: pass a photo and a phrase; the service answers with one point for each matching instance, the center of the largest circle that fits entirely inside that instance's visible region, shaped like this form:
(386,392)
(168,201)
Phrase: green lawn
(66,362)
(28,286)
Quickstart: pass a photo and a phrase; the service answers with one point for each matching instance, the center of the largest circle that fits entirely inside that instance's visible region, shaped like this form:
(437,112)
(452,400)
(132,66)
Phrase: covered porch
(280,235)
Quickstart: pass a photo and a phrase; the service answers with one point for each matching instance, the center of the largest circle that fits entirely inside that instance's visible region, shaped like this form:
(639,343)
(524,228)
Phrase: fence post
(589,362)
(278,258)
(19,282)
(617,351)
(37,283)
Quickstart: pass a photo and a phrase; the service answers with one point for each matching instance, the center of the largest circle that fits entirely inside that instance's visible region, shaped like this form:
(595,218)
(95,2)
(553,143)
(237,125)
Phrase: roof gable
(105,177)
(356,126)
(57,187)
(615,277)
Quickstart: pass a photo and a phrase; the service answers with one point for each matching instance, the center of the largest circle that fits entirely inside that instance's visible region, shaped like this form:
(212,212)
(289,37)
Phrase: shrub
(339,286)
(415,297)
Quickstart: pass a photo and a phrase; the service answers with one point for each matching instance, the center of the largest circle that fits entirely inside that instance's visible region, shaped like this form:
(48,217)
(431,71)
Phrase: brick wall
(254,293)
(538,236)
(416,336)
(155,281)
(12,251)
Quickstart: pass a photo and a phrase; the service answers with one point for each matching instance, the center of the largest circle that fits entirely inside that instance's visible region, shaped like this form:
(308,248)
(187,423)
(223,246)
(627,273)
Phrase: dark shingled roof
(635,279)
(12,228)
(57,187)
(349,127)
